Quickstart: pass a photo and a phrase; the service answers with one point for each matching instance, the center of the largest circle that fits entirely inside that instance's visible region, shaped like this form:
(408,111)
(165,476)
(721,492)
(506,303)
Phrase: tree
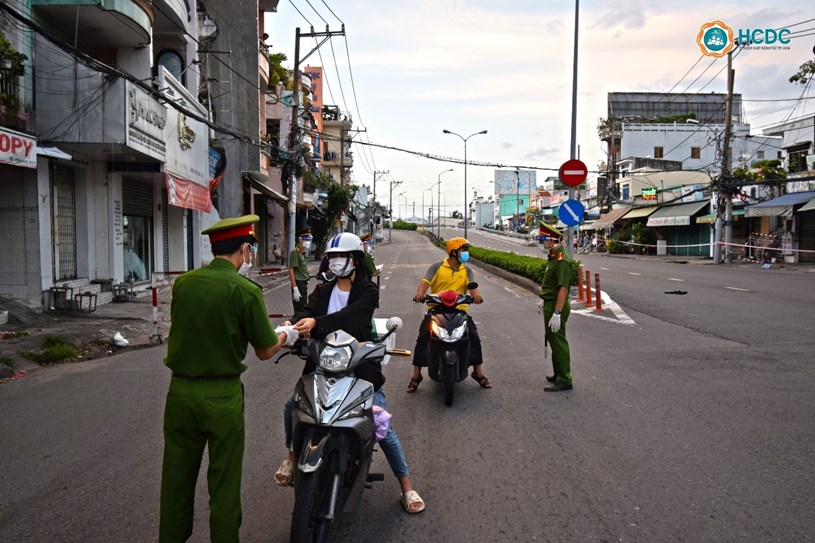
(804,74)
(763,172)
(339,200)
(277,73)
(456,215)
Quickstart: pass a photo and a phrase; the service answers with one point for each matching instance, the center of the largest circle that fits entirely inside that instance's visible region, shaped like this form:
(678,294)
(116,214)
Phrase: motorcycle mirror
(471,285)
(394,324)
(327,276)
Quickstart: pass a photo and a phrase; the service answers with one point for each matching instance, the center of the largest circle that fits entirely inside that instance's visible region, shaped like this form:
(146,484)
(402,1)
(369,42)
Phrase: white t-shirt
(338,300)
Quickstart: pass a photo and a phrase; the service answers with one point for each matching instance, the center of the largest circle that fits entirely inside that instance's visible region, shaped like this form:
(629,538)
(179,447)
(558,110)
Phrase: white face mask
(247,260)
(306,245)
(341,266)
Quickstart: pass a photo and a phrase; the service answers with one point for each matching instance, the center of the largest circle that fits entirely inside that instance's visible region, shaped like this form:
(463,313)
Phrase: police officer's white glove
(554,323)
(295,294)
(540,308)
(291,334)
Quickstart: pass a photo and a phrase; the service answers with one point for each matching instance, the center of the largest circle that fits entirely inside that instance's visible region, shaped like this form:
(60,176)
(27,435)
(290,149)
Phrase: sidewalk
(92,332)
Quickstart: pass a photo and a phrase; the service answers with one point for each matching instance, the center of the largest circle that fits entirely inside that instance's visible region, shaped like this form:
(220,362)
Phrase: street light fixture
(438,203)
(466,207)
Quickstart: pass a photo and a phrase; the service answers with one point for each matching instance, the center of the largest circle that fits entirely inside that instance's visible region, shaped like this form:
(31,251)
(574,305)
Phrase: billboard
(515,181)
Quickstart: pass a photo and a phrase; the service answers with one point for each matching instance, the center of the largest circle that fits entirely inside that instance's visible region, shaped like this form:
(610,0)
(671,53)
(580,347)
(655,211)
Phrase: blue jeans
(390,445)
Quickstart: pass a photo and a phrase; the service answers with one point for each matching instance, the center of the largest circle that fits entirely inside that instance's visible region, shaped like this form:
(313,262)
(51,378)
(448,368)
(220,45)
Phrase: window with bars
(659,152)
(696,152)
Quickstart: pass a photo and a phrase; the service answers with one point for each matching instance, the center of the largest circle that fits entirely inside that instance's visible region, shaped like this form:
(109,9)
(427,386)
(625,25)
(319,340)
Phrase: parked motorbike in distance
(449,345)
(333,428)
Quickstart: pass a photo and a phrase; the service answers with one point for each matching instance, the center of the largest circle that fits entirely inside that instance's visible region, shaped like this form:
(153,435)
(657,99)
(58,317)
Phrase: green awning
(639,212)
(711,217)
(676,215)
(809,206)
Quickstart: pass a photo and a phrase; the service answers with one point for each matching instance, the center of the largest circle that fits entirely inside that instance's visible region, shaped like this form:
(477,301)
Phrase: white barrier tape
(756,247)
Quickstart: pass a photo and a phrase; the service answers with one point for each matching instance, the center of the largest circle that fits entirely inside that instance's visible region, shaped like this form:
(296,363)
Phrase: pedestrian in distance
(555,307)
(216,314)
(348,302)
(298,270)
(452,273)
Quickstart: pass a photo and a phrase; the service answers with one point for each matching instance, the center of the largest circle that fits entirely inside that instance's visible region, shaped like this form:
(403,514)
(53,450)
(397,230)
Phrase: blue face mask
(463,257)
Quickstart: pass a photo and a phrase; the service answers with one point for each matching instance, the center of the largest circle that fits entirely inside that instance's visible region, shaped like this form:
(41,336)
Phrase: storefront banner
(669,221)
(17,149)
(186,139)
(185,193)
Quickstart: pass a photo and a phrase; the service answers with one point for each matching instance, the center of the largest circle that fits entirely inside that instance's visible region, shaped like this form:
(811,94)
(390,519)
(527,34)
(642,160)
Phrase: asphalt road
(691,420)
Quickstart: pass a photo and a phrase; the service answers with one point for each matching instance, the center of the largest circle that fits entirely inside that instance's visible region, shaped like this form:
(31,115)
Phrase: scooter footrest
(376,477)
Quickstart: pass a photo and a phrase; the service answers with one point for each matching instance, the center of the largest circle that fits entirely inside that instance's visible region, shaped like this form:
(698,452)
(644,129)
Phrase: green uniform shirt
(215,314)
(558,274)
(370,267)
(297,260)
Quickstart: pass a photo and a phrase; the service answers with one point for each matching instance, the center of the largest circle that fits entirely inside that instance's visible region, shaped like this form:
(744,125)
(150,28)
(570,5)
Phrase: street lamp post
(466,207)
(438,203)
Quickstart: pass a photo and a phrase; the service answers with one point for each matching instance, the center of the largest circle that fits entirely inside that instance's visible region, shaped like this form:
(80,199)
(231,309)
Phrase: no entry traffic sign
(573,172)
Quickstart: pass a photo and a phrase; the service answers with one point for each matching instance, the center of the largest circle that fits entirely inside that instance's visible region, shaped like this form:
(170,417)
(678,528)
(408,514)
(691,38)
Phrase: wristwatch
(557,312)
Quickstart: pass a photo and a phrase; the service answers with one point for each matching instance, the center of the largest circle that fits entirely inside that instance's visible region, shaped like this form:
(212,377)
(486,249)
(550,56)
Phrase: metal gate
(806,235)
(63,221)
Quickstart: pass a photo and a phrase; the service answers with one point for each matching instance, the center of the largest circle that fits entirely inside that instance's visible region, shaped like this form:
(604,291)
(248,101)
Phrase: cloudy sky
(421,66)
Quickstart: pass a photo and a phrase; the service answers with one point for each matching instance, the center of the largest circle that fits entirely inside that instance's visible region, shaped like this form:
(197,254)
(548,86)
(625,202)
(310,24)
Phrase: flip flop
(481,380)
(282,476)
(414,384)
(410,501)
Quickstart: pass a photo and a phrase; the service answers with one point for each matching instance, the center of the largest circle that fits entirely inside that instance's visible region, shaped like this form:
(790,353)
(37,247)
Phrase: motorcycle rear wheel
(312,496)
(449,384)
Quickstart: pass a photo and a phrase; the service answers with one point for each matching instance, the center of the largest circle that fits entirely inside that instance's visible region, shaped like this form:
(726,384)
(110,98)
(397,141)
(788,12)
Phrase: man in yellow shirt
(452,273)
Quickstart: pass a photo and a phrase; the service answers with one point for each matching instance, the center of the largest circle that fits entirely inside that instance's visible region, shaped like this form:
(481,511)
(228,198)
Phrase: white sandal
(282,476)
(409,499)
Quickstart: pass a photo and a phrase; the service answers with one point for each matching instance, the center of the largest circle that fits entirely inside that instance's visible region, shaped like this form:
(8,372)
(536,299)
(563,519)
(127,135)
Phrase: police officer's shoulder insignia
(258,285)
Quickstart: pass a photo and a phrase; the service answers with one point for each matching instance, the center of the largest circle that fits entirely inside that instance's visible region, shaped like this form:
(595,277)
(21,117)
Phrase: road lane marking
(634,273)
(739,289)
(675,279)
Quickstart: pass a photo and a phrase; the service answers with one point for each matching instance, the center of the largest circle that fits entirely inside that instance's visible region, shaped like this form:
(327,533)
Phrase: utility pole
(727,161)
(517,191)
(391,185)
(573,153)
(373,216)
(295,139)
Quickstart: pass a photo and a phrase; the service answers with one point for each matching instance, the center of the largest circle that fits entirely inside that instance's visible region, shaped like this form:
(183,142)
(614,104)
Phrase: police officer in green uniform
(216,313)
(298,271)
(370,265)
(555,306)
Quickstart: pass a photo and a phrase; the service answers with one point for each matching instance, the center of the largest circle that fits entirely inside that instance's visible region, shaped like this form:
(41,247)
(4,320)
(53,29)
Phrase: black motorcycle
(333,429)
(449,345)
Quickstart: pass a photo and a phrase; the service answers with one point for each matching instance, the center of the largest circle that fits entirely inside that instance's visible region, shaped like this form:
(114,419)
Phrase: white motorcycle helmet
(348,243)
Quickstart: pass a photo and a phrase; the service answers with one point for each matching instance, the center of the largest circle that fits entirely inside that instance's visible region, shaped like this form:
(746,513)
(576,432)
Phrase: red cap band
(231,233)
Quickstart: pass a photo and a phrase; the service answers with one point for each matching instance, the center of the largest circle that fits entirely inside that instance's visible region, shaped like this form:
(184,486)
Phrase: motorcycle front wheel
(449,384)
(312,497)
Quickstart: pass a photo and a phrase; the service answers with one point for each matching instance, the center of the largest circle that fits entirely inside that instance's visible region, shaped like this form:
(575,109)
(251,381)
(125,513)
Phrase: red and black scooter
(449,345)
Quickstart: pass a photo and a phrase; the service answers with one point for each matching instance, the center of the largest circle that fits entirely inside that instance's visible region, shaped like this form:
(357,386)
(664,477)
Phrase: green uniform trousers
(561,359)
(199,414)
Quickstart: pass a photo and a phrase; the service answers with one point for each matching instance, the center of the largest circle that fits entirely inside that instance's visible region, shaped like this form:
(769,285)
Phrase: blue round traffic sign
(571,212)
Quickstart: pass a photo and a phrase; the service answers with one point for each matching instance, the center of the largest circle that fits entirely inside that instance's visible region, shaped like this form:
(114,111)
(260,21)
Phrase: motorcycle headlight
(437,330)
(353,412)
(335,359)
(442,334)
(458,333)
